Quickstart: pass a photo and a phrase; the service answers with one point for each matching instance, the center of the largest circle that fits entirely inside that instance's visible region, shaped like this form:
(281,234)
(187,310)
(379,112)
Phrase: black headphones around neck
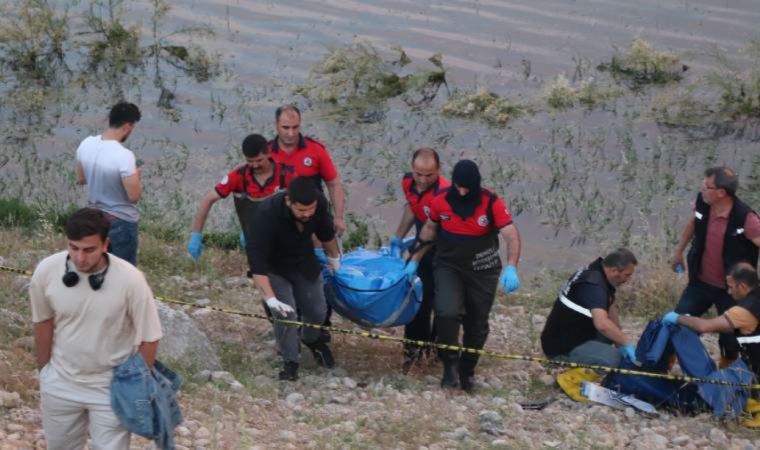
(96,280)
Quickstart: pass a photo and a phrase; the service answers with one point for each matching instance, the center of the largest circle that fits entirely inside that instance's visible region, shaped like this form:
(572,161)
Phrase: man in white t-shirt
(91,312)
(111,173)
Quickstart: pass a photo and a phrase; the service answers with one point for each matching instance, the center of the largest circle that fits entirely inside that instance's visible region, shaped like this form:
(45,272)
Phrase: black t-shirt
(278,246)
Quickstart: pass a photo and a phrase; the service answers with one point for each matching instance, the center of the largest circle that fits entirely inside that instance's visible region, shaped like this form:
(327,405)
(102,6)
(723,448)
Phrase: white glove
(278,307)
(334,263)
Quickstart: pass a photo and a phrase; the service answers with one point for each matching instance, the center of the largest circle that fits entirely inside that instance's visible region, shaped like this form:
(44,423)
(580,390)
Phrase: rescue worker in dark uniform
(723,231)
(420,186)
(584,323)
(467,220)
(741,320)
(250,184)
(286,271)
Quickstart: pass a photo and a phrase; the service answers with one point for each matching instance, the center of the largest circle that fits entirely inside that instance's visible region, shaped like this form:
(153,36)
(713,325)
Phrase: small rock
(202,302)
(718,437)
(236,386)
(546,379)
(15,428)
(630,413)
(217,411)
(182,431)
(202,433)
(491,423)
(349,383)
(500,443)
(516,408)
(202,376)
(340,400)
(552,444)
(294,399)
(287,435)
(10,400)
(538,320)
(459,434)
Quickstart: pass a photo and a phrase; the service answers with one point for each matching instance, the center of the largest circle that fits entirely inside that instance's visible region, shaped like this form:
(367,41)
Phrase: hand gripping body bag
(372,290)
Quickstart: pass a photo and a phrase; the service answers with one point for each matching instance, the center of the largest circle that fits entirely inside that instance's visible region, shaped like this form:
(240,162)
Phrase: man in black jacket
(285,270)
(723,231)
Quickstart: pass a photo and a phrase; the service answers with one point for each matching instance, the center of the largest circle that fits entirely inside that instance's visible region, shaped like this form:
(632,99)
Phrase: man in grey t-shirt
(111,173)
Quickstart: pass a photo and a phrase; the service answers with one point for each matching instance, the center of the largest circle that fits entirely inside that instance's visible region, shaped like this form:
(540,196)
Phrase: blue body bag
(655,348)
(372,290)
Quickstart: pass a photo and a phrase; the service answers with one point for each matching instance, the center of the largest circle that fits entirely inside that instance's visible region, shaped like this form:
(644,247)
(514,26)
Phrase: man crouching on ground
(91,312)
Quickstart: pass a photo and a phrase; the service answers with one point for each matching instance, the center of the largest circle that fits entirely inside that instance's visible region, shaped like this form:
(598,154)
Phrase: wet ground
(577,181)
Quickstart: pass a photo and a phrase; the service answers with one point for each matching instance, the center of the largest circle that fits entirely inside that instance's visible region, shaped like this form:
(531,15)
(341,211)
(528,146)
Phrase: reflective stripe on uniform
(748,339)
(574,306)
(698,215)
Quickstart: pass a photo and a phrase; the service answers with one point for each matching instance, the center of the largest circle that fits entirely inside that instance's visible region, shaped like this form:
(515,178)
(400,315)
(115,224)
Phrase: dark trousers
(463,299)
(421,328)
(697,298)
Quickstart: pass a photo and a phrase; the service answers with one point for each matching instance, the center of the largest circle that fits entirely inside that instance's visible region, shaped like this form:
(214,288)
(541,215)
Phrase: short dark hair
(426,152)
(302,190)
(620,259)
(725,178)
(286,108)
(86,222)
(745,274)
(254,145)
(123,112)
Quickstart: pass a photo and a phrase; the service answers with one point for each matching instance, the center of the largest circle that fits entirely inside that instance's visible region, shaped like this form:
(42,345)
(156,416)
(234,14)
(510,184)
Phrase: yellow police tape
(493,354)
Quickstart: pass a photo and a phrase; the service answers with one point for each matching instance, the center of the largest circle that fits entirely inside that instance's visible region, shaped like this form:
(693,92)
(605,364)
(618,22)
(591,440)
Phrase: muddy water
(577,179)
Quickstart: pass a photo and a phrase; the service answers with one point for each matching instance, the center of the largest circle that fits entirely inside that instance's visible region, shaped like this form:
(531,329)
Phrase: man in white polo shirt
(91,311)
(113,178)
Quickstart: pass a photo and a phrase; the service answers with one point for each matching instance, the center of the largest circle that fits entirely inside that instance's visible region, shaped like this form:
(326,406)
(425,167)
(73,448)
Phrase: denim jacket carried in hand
(145,400)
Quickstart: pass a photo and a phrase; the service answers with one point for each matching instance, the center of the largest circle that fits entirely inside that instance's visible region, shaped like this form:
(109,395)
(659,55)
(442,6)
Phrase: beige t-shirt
(94,331)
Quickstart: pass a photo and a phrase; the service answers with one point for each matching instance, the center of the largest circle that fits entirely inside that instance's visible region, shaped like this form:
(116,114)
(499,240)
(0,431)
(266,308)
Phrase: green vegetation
(640,65)
(726,101)
(561,94)
(481,105)
(356,78)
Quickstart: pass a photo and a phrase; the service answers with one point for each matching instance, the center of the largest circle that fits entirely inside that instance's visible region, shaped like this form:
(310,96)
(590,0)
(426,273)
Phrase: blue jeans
(697,298)
(122,240)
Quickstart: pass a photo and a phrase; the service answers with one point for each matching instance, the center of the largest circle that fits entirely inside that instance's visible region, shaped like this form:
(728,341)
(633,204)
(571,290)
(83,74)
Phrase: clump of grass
(642,65)
(723,102)
(481,105)
(562,94)
(355,77)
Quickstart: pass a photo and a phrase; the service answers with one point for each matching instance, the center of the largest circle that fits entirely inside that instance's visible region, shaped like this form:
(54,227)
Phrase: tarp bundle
(657,345)
(371,289)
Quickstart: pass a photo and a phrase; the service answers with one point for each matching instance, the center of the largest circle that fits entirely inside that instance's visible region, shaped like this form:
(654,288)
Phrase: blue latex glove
(671,317)
(195,245)
(411,270)
(509,281)
(242,239)
(628,351)
(396,246)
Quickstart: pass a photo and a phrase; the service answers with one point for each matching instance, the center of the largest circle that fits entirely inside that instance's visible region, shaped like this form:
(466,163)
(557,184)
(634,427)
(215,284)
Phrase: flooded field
(618,165)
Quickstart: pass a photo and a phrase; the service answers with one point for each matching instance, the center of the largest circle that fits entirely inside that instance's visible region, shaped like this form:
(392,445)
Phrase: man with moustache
(420,186)
(723,231)
(250,183)
(306,157)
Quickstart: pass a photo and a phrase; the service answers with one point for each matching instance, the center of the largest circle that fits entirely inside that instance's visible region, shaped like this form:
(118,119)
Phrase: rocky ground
(234,401)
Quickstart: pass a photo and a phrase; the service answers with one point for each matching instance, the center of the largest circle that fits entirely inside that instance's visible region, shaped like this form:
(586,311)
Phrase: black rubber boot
(322,354)
(289,371)
(450,379)
(467,363)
